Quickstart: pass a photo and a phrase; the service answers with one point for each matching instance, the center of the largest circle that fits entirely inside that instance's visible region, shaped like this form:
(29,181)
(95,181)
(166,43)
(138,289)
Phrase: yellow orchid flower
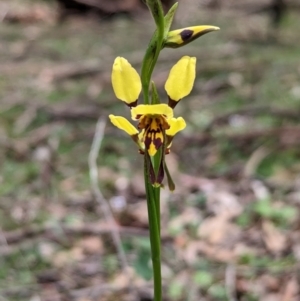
(156,124)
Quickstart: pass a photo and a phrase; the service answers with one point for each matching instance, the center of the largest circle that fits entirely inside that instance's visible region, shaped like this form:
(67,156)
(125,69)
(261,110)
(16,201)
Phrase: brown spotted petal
(183,36)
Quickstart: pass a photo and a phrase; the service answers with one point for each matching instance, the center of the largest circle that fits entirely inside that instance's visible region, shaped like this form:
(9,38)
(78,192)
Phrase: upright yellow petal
(123,124)
(181,79)
(126,81)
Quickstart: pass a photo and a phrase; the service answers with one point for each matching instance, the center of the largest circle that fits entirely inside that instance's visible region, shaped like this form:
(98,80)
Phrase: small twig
(93,155)
(51,232)
(230,279)
(254,160)
(96,291)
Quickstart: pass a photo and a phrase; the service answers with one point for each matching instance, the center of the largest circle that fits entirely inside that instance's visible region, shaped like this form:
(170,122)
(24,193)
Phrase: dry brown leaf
(276,241)
(63,258)
(271,282)
(216,253)
(29,15)
(271,297)
(121,280)
(241,249)
(291,290)
(190,216)
(69,184)
(181,240)
(220,201)
(219,231)
(58,211)
(191,253)
(91,245)
(138,213)
(224,203)
(196,249)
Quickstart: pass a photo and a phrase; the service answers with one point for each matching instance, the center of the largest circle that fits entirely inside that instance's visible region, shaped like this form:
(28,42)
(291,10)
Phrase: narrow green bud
(169,19)
(157,12)
(183,36)
(155,98)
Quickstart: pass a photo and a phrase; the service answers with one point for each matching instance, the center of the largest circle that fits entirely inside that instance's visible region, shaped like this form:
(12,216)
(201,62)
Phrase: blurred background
(230,231)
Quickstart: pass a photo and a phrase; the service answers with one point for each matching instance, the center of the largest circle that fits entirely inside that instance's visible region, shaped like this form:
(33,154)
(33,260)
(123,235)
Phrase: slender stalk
(148,64)
(154,47)
(154,228)
(153,193)
(157,205)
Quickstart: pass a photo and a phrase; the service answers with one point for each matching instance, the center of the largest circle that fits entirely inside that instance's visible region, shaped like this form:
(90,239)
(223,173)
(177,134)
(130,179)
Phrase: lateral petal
(176,125)
(123,124)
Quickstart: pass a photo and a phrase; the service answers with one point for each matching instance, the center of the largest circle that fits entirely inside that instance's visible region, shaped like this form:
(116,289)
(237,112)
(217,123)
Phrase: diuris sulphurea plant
(155,124)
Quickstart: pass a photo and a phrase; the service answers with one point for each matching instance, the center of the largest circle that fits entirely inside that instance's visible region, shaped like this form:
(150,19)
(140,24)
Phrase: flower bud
(183,36)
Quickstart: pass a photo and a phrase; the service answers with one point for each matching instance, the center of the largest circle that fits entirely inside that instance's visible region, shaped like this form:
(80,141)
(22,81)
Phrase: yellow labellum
(126,81)
(153,127)
(181,78)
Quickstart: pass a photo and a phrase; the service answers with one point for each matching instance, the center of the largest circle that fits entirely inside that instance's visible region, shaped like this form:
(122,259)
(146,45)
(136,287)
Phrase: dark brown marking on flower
(144,121)
(154,136)
(164,123)
(151,172)
(172,103)
(135,138)
(132,104)
(160,173)
(186,34)
(137,117)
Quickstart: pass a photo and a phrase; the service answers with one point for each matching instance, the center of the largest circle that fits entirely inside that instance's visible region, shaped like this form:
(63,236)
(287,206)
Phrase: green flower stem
(154,217)
(154,47)
(157,206)
(156,165)
(153,193)
(148,64)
